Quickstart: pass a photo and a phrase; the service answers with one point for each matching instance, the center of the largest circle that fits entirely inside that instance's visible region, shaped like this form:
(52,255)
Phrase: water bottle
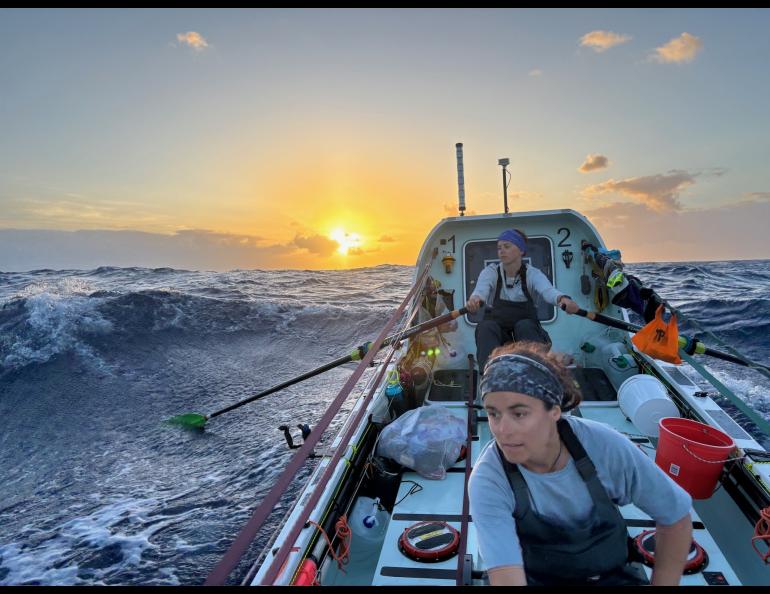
(395,394)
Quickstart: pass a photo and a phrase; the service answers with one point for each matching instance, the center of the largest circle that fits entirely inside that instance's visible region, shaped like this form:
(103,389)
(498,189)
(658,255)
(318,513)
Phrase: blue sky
(270,130)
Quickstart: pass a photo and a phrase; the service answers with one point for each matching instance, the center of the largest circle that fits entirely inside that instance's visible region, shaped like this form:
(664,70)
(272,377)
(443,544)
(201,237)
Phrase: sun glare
(346,240)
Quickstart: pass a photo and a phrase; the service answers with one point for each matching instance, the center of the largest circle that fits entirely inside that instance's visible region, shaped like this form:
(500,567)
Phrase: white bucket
(644,400)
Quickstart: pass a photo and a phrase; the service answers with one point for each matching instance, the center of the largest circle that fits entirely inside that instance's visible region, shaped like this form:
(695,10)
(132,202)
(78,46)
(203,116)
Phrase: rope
(762,532)
(342,532)
(415,488)
(728,459)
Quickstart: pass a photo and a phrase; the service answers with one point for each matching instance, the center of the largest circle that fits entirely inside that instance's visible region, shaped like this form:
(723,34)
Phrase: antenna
(504,163)
(460,178)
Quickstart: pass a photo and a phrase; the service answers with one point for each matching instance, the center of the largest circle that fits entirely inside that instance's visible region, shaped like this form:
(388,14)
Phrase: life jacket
(554,554)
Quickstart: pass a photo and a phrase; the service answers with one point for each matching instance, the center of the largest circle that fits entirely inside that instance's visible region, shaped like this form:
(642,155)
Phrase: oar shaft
(355,356)
(286,384)
(700,348)
(447,317)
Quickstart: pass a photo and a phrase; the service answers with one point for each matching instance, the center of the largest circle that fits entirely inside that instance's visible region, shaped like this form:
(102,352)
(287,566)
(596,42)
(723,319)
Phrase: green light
(430,352)
(437,351)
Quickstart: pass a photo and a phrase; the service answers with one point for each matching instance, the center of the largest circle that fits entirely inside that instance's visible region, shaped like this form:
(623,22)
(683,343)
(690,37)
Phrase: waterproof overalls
(508,320)
(595,554)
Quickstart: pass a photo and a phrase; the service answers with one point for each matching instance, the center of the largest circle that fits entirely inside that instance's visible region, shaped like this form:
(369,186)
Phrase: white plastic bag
(427,439)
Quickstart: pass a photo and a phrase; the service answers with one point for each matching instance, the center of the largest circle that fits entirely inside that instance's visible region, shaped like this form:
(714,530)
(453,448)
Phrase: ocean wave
(90,548)
(44,324)
(100,491)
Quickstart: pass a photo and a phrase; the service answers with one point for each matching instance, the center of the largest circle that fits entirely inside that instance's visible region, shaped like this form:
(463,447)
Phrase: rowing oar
(700,348)
(198,421)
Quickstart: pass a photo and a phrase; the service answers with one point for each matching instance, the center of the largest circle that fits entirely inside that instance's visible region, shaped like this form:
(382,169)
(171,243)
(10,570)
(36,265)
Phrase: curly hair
(540,352)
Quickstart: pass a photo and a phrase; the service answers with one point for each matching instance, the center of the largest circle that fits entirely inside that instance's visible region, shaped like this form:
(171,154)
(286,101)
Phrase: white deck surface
(443,498)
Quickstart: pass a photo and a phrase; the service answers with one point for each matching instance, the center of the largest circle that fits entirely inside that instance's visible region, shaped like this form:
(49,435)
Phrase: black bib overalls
(508,320)
(596,554)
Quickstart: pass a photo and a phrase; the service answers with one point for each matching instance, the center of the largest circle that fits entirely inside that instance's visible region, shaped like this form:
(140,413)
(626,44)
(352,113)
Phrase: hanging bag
(659,339)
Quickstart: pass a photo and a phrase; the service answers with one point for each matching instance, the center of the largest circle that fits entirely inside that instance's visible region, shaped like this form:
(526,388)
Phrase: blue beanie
(515,238)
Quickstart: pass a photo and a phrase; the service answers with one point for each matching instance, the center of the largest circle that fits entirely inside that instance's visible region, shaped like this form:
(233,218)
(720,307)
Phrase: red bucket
(692,454)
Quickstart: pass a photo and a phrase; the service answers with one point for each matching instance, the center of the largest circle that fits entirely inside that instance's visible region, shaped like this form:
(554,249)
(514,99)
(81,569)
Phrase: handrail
(277,563)
(238,548)
(753,415)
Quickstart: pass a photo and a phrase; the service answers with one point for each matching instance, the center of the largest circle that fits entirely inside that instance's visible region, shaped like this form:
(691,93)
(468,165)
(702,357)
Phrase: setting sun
(346,240)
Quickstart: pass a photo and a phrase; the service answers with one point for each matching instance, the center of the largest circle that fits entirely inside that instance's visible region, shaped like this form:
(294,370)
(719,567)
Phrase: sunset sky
(325,138)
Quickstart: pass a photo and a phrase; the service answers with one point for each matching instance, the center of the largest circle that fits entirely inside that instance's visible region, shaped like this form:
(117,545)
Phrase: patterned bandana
(517,373)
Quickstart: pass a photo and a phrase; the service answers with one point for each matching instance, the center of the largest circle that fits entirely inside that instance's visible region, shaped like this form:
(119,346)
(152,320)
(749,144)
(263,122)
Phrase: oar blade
(189,420)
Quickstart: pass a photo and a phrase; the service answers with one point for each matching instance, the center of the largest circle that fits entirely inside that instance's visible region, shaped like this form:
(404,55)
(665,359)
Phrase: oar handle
(427,325)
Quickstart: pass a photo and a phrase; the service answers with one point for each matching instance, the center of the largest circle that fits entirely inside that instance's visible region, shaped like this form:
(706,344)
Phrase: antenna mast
(504,163)
(460,178)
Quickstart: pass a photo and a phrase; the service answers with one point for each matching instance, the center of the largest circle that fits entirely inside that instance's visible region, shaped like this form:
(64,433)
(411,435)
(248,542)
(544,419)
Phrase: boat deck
(442,500)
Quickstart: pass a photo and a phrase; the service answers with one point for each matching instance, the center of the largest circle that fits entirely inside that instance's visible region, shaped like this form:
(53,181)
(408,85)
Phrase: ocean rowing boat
(365,519)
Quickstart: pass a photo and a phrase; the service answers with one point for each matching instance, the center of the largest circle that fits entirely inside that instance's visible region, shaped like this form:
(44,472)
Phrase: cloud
(68,209)
(206,237)
(386,239)
(660,192)
(601,41)
(680,49)
(316,244)
(536,72)
(647,235)
(594,162)
(194,39)
(190,249)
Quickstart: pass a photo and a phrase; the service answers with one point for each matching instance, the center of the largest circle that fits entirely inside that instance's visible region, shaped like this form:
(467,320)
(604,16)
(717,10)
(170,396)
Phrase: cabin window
(478,254)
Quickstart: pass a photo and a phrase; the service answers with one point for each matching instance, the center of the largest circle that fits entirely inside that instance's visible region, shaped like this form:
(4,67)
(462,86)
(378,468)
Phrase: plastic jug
(367,520)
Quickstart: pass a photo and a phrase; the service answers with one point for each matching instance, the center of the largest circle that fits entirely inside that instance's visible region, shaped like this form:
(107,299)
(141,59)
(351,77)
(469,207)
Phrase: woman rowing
(508,287)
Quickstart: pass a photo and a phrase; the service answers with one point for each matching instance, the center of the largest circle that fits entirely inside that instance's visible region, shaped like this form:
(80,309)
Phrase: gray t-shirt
(537,284)
(627,474)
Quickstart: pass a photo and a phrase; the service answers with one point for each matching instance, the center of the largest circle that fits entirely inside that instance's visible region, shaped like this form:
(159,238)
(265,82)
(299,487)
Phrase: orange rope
(343,533)
(762,532)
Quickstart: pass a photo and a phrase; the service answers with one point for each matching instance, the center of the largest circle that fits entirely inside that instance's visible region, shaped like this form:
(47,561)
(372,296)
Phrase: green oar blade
(191,420)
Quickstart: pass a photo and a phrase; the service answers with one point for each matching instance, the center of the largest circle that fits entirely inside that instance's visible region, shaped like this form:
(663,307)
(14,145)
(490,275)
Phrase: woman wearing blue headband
(544,494)
(508,288)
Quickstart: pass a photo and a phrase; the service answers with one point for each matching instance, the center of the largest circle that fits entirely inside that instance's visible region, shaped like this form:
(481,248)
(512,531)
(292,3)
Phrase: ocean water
(97,490)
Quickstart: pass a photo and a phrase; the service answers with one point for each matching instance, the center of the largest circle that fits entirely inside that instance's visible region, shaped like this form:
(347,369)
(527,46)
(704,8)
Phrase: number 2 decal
(561,243)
